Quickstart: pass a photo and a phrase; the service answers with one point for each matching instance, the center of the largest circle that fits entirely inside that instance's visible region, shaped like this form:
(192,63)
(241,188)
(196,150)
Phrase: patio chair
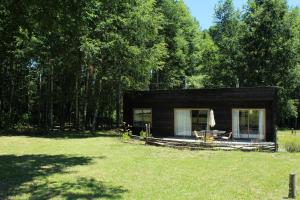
(198,134)
(227,137)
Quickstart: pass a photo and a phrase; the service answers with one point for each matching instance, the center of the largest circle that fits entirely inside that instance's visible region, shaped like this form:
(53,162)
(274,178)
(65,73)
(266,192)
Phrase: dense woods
(67,63)
(258,47)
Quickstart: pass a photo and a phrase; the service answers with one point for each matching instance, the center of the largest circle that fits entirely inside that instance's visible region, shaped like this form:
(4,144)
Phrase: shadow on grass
(62,134)
(82,188)
(28,174)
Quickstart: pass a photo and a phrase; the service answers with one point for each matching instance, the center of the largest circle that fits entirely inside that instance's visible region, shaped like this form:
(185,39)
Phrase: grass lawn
(103,167)
(286,136)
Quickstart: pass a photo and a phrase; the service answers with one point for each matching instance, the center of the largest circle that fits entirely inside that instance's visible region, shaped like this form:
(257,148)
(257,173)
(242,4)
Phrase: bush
(126,135)
(292,146)
(21,127)
(143,134)
(126,132)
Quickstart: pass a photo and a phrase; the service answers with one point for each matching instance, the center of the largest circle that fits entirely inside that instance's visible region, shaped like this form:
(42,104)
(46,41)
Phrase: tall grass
(288,141)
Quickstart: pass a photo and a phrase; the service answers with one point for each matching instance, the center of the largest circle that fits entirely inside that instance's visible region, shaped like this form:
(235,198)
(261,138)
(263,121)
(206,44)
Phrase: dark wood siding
(222,101)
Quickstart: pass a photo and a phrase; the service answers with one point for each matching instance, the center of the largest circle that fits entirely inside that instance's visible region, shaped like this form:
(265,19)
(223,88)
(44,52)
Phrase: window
(141,117)
(248,123)
(187,120)
(199,119)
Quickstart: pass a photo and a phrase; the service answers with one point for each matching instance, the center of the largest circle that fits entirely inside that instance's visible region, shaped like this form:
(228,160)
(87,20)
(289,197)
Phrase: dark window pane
(142,117)
(249,121)
(253,122)
(243,122)
(199,120)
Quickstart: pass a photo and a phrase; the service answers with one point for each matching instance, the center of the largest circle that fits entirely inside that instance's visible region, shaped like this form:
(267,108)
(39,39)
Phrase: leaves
(258,48)
(67,63)
(82,51)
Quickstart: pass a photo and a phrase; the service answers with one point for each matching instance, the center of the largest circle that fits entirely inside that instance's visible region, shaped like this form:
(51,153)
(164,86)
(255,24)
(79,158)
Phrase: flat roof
(269,88)
(246,93)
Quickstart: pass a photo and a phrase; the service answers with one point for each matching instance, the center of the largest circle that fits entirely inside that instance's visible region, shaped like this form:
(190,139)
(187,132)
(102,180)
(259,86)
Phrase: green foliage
(184,46)
(195,81)
(288,141)
(143,134)
(23,124)
(21,127)
(290,107)
(126,135)
(292,146)
(258,48)
(68,62)
(126,131)
(223,69)
(268,49)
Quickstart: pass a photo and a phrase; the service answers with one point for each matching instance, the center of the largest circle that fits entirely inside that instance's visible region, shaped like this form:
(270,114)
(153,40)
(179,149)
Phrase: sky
(203,10)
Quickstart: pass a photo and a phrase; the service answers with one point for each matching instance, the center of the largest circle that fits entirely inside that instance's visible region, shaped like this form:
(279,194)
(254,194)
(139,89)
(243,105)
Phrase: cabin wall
(163,105)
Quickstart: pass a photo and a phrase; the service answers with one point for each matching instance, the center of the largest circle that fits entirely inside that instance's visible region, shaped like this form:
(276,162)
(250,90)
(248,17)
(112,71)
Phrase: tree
(269,51)
(130,45)
(183,38)
(226,35)
(70,61)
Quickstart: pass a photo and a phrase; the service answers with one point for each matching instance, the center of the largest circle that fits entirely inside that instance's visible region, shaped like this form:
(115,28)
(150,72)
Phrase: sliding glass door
(199,120)
(248,123)
(188,120)
(183,124)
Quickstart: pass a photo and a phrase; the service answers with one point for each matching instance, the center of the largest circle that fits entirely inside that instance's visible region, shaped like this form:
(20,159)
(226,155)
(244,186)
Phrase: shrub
(143,134)
(126,132)
(125,127)
(126,135)
(292,146)
(21,127)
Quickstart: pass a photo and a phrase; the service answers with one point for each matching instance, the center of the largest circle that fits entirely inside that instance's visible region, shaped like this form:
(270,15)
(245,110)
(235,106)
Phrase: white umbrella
(212,121)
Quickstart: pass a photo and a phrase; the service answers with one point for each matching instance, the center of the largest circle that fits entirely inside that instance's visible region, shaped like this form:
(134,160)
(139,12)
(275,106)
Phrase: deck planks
(214,145)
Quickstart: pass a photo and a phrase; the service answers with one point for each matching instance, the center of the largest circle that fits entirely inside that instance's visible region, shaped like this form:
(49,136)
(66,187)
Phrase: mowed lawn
(104,167)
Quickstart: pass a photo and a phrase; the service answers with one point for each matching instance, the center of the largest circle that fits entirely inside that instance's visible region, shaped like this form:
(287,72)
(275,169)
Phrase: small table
(216,133)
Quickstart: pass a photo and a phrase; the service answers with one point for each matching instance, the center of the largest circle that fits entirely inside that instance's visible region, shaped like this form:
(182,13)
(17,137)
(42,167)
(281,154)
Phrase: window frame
(143,113)
(190,109)
(248,109)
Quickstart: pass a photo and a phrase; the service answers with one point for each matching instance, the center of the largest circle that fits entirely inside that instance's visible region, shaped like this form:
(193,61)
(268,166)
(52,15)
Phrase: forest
(66,64)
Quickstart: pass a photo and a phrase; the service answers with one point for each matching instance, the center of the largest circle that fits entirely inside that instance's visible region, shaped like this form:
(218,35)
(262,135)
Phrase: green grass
(289,141)
(104,167)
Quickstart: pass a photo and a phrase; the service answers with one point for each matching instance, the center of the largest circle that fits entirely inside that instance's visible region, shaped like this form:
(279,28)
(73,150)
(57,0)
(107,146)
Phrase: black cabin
(249,113)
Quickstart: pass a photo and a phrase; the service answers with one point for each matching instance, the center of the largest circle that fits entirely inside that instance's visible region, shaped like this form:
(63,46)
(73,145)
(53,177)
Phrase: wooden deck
(192,144)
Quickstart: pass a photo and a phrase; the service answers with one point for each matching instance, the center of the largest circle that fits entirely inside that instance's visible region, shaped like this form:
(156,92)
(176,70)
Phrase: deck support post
(292,186)
(148,129)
